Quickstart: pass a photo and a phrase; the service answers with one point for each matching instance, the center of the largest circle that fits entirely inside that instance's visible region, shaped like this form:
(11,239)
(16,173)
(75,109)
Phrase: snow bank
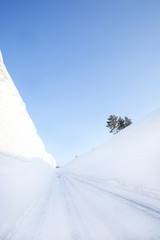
(24,175)
(23,184)
(18,133)
(132,157)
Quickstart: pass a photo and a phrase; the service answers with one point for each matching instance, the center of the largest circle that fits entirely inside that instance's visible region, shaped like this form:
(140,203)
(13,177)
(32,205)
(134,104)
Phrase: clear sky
(76,62)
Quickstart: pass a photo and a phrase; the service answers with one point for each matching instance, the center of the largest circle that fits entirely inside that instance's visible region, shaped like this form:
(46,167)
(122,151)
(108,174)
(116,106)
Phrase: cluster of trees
(116,124)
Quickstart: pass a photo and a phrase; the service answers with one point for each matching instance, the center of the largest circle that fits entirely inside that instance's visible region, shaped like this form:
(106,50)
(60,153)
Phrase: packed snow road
(76,208)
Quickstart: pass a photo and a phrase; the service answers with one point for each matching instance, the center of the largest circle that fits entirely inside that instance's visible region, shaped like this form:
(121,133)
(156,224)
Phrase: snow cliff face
(18,133)
(131,157)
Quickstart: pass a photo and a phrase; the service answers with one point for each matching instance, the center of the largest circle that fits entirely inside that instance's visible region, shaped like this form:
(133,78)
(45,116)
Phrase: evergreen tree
(120,124)
(112,123)
(116,124)
(127,121)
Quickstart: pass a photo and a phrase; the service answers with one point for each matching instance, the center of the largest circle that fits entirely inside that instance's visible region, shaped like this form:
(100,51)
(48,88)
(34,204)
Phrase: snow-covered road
(72,207)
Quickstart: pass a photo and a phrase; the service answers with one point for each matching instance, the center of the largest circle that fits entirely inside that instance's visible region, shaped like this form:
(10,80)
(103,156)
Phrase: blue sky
(76,62)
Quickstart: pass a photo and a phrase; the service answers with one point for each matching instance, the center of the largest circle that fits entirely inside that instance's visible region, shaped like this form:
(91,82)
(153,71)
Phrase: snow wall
(18,134)
(131,157)
(24,170)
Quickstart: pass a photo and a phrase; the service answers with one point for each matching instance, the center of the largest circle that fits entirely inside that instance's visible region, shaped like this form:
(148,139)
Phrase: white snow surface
(130,158)
(110,193)
(18,133)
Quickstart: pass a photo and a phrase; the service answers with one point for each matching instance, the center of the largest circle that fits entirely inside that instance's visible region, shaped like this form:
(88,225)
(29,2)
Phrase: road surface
(77,208)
